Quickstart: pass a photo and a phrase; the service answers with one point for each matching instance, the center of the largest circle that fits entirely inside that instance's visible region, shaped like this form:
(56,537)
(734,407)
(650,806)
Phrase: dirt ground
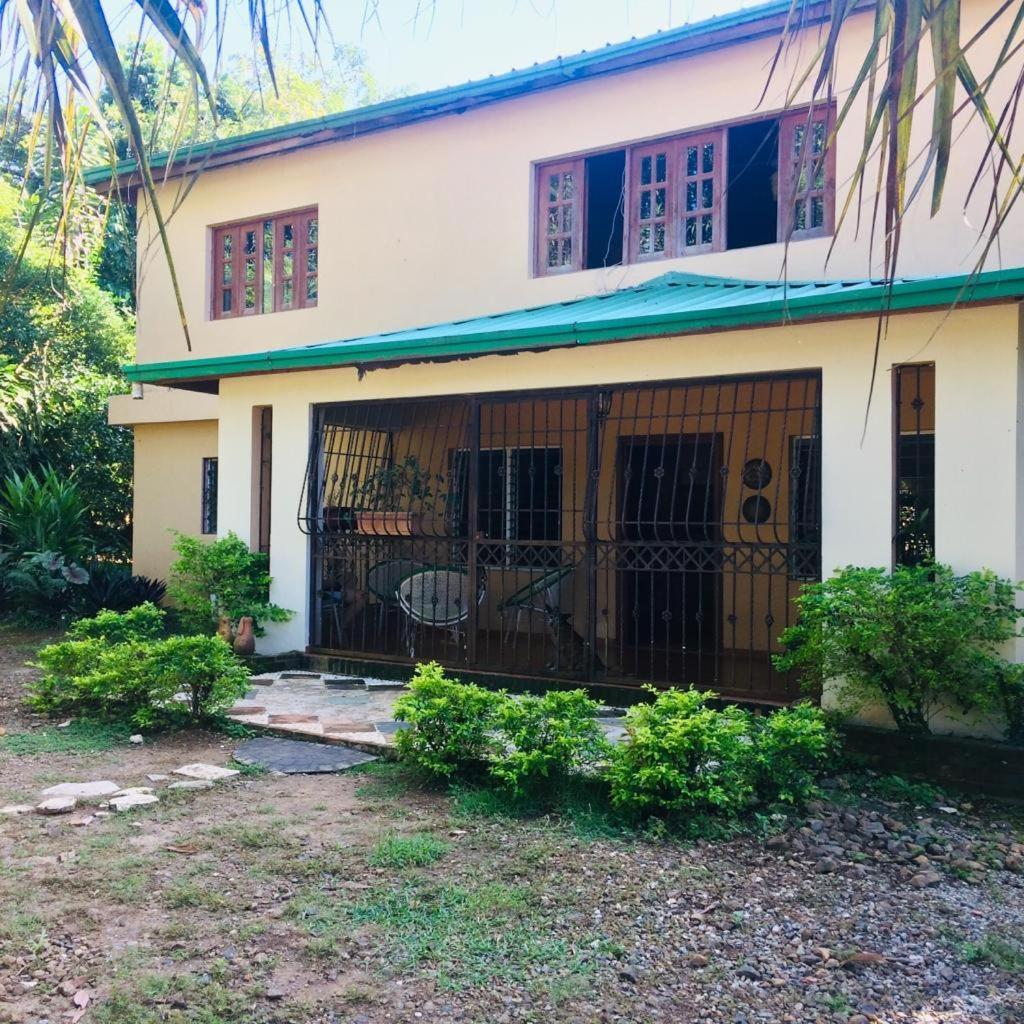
(361,898)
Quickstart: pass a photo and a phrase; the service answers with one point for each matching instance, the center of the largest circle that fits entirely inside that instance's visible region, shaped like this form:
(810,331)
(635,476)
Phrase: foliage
(394,851)
(139,624)
(682,755)
(546,738)
(221,578)
(203,668)
(920,638)
(40,586)
(451,722)
(112,586)
(43,512)
(792,748)
(399,486)
(115,667)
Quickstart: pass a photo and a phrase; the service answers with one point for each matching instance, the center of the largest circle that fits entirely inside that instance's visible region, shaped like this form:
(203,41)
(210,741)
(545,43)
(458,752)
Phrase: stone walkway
(299,757)
(347,710)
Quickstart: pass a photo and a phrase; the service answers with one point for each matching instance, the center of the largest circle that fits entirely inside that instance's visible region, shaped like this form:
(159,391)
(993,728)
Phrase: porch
(604,535)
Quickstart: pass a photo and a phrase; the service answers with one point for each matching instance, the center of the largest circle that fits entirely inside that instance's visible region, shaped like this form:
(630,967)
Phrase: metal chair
(382,582)
(438,597)
(542,596)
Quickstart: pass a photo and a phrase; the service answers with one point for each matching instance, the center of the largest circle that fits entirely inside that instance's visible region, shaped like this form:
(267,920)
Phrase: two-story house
(523,376)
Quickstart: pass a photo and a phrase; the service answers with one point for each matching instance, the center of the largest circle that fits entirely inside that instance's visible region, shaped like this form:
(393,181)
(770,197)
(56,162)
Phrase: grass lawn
(365,898)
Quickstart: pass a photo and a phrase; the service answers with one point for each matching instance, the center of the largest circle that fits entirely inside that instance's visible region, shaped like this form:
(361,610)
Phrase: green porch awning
(670,305)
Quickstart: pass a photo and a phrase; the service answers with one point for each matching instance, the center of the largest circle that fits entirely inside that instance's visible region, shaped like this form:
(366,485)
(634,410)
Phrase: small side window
(559,224)
(807,169)
(208,512)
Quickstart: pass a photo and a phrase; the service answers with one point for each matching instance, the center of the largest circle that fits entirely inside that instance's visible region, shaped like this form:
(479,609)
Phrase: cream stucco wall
(168,488)
(433,221)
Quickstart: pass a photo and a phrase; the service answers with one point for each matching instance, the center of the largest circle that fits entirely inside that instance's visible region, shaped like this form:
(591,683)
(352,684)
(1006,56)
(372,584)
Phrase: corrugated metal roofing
(736,26)
(670,305)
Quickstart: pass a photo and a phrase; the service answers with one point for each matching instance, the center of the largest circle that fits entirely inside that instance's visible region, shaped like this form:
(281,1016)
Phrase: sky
(415,45)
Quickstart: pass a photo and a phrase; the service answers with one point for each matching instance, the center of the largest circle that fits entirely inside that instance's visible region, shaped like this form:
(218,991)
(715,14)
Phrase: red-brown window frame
(789,174)
(305,271)
(676,146)
(544,205)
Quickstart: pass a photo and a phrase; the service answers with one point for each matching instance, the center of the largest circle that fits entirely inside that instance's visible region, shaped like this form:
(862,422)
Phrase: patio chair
(382,582)
(438,597)
(542,596)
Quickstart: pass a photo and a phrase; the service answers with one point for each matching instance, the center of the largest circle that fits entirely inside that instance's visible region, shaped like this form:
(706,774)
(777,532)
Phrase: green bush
(918,639)
(452,722)
(218,579)
(682,756)
(116,667)
(144,622)
(543,739)
(792,748)
(42,512)
(40,586)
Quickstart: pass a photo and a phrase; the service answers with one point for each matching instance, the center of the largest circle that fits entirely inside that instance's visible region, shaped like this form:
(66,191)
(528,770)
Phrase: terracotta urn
(245,639)
(224,629)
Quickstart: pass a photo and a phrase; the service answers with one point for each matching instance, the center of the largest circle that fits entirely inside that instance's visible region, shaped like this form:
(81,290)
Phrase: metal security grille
(914,462)
(630,534)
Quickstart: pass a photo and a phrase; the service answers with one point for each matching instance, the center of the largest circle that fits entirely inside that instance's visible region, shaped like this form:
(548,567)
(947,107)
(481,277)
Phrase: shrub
(451,722)
(792,748)
(112,586)
(40,585)
(918,639)
(223,578)
(681,755)
(203,668)
(144,622)
(43,512)
(546,738)
(115,666)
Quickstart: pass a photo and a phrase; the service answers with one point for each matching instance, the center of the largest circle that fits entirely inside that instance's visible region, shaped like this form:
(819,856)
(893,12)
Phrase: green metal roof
(712,33)
(670,305)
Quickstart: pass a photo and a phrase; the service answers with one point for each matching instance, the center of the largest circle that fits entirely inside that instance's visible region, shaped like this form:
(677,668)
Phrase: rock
(192,784)
(158,777)
(136,740)
(210,772)
(746,971)
(82,790)
(1013,863)
(275,994)
(625,974)
(774,842)
(924,879)
(17,809)
(137,796)
(697,960)
(57,805)
(858,1018)
(826,865)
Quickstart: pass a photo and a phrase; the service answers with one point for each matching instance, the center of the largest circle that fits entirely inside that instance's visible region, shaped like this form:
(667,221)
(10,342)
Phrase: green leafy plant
(452,722)
(792,748)
(545,739)
(400,486)
(40,585)
(682,755)
(394,851)
(116,667)
(142,623)
(219,579)
(919,639)
(112,586)
(42,512)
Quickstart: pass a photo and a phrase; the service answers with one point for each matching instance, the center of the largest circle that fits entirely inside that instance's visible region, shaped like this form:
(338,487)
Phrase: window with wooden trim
(756,182)
(807,175)
(266,265)
(914,463)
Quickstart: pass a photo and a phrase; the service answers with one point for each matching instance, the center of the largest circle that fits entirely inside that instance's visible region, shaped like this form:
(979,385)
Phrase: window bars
(656,533)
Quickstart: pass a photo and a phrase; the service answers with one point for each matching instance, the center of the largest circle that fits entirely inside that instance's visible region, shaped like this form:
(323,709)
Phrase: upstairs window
(754,183)
(266,265)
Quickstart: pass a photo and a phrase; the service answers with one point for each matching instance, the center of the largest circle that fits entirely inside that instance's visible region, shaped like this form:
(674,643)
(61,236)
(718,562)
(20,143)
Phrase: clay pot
(245,639)
(224,629)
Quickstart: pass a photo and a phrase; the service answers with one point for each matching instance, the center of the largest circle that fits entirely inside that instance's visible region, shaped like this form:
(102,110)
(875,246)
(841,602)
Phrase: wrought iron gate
(628,534)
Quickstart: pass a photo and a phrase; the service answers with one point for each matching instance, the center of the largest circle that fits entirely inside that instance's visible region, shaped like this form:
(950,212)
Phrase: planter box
(388,524)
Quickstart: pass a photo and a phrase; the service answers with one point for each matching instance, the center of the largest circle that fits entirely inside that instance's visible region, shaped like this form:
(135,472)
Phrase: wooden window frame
(301,273)
(789,174)
(543,206)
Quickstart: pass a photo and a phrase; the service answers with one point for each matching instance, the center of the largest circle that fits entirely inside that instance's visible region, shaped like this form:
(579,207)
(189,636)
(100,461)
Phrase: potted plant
(395,497)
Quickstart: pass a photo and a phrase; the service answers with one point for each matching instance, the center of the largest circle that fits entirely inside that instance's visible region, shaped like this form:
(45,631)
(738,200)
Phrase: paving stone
(390,728)
(82,790)
(57,805)
(299,674)
(292,719)
(192,784)
(385,684)
(17,809)
(247,709)
(295,757)
(210,772)
(344,682)
(262,680)
(158,777)
(335,725)
(133,798)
